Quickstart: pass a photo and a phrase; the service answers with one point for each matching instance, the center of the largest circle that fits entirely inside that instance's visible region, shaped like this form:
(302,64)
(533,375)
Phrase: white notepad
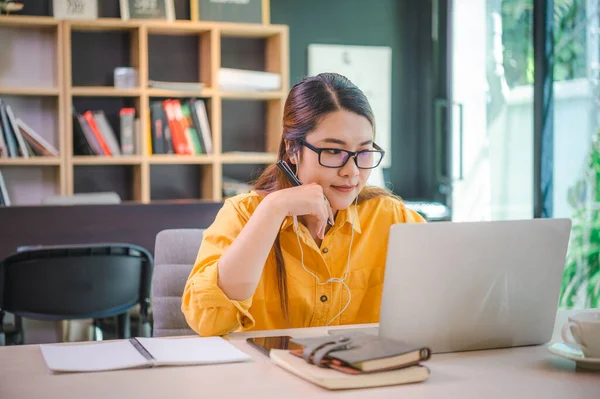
(141,352)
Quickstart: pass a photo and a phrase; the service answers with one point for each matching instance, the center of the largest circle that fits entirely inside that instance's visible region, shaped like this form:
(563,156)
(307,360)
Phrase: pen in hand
(286,169)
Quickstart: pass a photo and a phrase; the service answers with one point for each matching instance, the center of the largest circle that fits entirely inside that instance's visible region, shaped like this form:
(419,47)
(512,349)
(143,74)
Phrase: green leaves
(581,277)
(569,40)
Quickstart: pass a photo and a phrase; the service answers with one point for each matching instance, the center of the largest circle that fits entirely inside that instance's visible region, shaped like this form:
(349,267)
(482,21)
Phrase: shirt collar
(344,216)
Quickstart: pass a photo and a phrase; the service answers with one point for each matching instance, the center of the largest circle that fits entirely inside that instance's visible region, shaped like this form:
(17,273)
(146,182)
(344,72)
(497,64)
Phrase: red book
(180,142)
(89,118)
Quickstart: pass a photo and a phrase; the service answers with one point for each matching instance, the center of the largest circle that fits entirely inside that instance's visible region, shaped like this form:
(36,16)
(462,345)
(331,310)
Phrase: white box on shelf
(247,80)
(125,78)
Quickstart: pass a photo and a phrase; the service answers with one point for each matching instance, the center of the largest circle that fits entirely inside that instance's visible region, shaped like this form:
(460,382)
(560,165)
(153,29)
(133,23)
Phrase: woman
(270,260)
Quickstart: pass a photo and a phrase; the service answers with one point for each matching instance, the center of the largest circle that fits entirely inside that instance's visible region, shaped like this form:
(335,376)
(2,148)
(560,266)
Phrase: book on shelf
(190,131)
(107,132)
(89,118)
(4,198)
(17,132)
(159,127)
(18,139)
(3,146)
(127,125)
(37,143)
(247,80)
(94,135)
(200,118)
(179,127)
(11,142)
(178,86)
(181,145)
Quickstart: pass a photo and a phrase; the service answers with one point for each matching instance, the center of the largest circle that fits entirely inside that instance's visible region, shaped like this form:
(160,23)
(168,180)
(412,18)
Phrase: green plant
(581,279)
(569,40)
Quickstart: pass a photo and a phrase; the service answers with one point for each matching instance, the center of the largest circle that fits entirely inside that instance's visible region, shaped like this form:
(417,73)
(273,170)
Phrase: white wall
(573,131)
(511,157)
(511,146)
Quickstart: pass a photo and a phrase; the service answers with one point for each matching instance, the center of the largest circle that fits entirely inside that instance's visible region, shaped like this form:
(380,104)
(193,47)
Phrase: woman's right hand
(305,200)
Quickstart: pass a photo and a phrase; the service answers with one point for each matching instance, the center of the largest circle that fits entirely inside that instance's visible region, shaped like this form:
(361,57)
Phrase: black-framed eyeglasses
(337,158)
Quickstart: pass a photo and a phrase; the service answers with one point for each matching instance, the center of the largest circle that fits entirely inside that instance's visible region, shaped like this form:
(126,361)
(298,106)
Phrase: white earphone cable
(333,279)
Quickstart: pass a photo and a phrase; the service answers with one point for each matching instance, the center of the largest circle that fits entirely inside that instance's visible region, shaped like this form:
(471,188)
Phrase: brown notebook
(373,353)
(333,379)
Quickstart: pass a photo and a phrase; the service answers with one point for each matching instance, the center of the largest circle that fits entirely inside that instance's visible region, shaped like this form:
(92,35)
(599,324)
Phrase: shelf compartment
(42,114)
(243,126)
(122,179)
(243,53)
(28,185)
(95,55)
(249,125)
(29,58)
(180,182)
(111,107)
(255,54)
(168,155)
(192,52)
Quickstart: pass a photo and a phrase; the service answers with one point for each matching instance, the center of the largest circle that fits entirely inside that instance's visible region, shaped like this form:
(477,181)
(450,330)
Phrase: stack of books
(179,127)
(94,135)
(18,139)
(355,361)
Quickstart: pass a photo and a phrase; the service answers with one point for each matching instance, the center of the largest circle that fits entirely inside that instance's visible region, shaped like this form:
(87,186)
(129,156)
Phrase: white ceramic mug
(585,329)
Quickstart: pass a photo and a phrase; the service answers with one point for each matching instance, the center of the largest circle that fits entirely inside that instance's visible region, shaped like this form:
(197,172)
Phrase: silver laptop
(473,285)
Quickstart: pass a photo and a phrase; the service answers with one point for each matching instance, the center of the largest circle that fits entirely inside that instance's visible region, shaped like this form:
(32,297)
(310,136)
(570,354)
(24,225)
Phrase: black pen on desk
(285,168)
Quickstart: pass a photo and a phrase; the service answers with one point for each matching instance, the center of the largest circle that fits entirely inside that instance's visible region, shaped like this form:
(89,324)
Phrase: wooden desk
(530,372)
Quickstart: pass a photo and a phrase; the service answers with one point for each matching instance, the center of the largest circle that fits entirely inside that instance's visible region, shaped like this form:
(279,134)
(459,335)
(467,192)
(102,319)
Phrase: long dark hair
(307,103)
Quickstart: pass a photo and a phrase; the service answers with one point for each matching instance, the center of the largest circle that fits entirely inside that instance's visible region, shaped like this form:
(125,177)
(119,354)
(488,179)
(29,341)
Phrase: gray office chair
(175,252)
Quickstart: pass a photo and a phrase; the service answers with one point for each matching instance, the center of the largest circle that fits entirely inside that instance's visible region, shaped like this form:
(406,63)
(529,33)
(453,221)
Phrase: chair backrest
(175,252)
(80,281)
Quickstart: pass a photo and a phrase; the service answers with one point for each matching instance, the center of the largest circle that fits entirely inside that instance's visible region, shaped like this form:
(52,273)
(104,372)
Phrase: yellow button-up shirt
(209,311)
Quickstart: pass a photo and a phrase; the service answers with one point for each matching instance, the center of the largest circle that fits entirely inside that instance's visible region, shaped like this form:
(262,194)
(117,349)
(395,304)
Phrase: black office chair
(82,281)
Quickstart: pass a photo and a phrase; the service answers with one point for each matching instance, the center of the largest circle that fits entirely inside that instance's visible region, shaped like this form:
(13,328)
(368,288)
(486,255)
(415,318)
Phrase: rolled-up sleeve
(207,309)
